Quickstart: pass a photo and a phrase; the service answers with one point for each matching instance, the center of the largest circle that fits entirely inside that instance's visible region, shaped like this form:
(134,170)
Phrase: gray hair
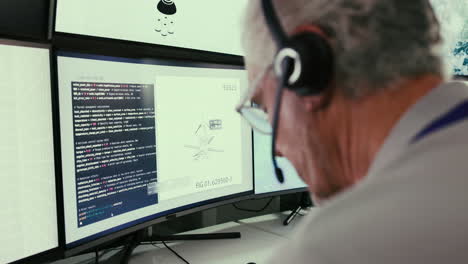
(376,42)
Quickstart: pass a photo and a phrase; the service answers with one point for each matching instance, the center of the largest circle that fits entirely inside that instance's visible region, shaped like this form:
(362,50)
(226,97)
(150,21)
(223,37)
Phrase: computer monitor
(27,177)
(143,139)
(24,19)
(209,25)
(266,183)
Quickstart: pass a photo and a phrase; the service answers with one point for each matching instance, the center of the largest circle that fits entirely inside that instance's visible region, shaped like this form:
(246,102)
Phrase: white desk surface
(254,246)
(260,237)
(273,223)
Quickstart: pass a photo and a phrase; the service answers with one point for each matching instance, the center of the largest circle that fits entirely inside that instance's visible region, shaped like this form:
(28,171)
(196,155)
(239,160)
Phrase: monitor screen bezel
(281,192)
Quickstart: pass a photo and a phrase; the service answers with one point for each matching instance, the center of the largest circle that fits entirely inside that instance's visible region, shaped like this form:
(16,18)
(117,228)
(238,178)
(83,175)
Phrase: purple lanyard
(455,115)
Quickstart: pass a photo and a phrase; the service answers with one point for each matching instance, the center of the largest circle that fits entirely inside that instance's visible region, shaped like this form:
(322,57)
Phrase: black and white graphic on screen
(205,137)
(115,149)
(165,21)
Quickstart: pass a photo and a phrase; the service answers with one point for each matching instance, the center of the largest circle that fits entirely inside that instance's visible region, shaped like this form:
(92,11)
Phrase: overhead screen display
(24,18)
(265,179)
(210,25)
(142,139)
(27,177)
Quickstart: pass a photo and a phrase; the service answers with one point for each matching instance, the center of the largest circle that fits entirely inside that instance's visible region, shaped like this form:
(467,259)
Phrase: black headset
(304,64)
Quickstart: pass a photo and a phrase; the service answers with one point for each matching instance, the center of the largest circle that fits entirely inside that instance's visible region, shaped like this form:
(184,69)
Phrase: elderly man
(383,145)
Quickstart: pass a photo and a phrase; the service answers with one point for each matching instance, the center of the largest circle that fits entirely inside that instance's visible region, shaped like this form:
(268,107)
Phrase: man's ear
(313,103)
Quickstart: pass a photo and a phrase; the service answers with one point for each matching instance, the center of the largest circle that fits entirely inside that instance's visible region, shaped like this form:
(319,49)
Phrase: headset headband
(274,24)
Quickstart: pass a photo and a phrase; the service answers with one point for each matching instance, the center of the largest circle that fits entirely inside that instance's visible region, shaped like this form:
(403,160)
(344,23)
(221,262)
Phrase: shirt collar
(437,102)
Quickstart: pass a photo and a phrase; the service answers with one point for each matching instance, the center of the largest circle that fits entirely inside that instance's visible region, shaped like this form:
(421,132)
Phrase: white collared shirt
(412,207)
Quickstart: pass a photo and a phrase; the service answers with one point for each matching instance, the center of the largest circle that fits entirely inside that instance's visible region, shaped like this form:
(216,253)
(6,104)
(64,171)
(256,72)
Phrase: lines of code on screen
(115,149)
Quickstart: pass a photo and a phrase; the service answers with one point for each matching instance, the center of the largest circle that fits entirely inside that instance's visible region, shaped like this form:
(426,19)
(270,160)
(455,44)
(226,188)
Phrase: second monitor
(265,179)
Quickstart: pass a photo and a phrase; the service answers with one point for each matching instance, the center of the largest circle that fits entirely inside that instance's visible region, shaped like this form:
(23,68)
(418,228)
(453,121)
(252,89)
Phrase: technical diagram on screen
(206,143)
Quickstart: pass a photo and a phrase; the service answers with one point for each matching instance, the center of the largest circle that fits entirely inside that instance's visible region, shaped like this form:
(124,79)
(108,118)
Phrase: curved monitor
(264,174)
(142,139)
(209,25)
(27,177)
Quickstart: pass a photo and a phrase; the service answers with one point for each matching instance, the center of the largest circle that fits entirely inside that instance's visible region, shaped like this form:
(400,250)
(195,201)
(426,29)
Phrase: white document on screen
(27,175)
(210,25)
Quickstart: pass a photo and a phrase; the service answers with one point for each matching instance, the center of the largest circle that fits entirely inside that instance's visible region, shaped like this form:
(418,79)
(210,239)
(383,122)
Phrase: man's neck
(357,128)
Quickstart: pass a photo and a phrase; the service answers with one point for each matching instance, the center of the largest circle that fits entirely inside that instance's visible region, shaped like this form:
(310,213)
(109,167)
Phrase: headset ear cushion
(317,63)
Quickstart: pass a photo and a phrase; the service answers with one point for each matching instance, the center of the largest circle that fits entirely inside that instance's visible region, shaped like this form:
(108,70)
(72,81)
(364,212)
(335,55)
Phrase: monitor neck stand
(304,203)
(131,242)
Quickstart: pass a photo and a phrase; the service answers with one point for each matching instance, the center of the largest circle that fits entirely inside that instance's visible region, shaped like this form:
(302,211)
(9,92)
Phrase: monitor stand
(304,203)
(132,242)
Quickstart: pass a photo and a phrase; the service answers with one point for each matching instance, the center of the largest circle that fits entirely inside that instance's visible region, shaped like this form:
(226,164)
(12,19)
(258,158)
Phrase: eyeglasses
(252,113)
